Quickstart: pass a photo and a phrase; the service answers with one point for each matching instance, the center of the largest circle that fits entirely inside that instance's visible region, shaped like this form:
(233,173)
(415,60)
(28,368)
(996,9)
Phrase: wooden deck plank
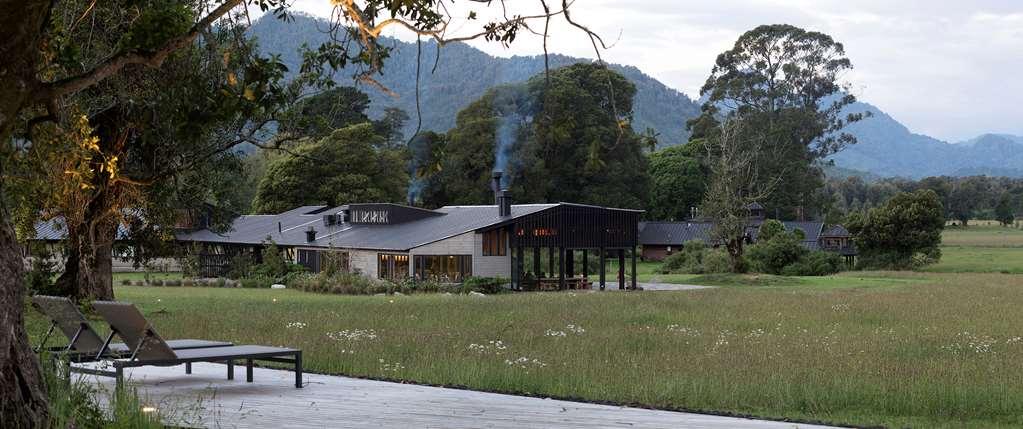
(207,399)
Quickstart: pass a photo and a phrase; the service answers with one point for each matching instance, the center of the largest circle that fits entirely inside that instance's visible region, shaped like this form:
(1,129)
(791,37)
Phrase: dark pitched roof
(56,230)
(836,231)
(452,221)
(677,233)
(673,233)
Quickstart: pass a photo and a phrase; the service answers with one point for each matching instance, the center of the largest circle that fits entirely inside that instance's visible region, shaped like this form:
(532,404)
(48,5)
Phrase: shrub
(188,283)
(174,282)
(256,282)
(39,278)
(769,229)
(487,285)
(126,282)
(138,283)
(717,262)
(340,283)
(220,282)
(156,283)
(772,256)
(816,263)
(890,236)
(240,265)
(687,261)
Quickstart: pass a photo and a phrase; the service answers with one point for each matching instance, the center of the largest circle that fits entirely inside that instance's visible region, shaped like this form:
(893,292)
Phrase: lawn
(935,350)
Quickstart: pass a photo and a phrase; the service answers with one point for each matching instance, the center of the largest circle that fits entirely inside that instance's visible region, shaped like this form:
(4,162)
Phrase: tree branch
(114,64)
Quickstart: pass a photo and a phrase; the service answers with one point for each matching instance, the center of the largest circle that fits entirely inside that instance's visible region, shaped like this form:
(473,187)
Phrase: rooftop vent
(501,197)
(310,234)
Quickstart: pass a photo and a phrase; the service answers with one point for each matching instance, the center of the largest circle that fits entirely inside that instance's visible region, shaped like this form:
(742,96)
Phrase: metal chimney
(495,185)
(310,234)
(503,203)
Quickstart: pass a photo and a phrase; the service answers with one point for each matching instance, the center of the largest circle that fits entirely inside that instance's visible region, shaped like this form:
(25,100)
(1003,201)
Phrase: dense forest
(884,146)
(460,74)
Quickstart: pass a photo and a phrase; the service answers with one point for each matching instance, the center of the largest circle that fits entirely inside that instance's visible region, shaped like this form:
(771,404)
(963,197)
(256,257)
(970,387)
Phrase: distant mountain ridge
(885,147)
(464,73)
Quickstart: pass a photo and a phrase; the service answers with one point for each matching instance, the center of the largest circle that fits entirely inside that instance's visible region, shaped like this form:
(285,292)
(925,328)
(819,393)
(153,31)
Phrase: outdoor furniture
(149,349)
(551,284)
(84,343)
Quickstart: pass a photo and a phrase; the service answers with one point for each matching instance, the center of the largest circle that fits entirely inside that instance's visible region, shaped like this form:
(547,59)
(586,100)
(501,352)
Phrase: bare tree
(737,182)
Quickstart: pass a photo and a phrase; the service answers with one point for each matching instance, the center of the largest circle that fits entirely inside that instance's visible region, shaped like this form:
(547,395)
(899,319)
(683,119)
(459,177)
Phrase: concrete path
(660,286)
(207,399)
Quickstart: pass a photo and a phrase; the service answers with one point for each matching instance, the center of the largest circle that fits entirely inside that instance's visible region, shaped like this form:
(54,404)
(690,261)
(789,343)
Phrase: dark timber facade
(564,232)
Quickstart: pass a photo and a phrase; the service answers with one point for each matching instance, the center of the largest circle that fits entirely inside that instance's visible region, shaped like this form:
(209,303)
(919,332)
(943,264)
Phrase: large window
(495,243)
(392,266)
(443,268)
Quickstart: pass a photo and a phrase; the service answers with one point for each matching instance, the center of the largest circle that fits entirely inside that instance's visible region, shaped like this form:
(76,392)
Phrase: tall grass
(78,403)
(928,351)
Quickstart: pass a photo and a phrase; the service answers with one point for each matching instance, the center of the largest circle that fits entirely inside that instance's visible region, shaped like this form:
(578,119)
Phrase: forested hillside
(887,148)
(463,74)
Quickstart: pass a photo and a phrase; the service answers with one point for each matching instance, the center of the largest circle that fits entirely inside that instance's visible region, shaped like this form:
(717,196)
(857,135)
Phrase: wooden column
(561,271)
(511,261)
(520,265)
(570,262)
(536,262)
(634,268)
(603,268)
(586,264)
(550,262)
(621,268)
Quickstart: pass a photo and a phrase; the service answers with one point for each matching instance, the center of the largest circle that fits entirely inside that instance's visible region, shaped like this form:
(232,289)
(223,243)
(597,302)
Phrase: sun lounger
(84,343)
(149,349)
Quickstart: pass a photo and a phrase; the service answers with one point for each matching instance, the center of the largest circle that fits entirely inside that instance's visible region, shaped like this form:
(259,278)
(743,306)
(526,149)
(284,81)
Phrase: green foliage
(1003,211)
(717,262)
(769,229)
(783,82)
(566,141)
(160,21)
(774,255)
(74,403)
(487,285)
(348,166)
(241,264)
(656,105)
(330,110)
(901,233)
(274,264)
(41,272)
(815,263)
(689,260)
(678,181)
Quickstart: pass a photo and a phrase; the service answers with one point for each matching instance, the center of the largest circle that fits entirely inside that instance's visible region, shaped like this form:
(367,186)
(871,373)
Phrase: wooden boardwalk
(207,399)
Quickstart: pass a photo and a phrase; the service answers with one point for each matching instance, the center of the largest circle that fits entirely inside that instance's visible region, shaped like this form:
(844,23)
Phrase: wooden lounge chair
(149,349)
(84,343)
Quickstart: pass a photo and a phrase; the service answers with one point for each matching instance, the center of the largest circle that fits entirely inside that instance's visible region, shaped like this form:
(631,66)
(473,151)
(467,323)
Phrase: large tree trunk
(23,400)
(88,273)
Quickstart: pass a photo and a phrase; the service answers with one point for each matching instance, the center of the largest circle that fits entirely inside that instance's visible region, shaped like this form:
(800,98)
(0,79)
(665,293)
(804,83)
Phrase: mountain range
(459,74)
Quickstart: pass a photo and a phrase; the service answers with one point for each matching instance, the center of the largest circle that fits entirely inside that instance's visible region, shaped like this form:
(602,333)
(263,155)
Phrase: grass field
(919,349)
(939,350)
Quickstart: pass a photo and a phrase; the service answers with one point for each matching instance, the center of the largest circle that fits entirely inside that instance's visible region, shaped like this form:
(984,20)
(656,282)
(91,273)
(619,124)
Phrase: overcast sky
(948,69)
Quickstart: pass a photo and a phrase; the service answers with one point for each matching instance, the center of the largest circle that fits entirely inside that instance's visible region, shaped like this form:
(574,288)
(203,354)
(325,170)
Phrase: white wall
(469,243)
(365,261)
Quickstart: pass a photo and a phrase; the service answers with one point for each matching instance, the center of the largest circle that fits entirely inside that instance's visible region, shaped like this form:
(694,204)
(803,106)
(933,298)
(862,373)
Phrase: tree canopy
(678,180)
(566,139)
(783,82)
(904,231)
(348,166)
